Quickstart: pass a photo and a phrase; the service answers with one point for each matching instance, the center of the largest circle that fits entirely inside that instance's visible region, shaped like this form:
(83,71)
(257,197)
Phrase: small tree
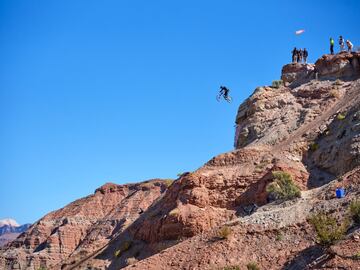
(283,187)
(224,232)
(234,267)
(252,266)
(327,228)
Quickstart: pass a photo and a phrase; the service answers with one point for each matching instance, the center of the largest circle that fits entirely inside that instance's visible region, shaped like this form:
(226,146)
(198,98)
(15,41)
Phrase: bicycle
(227,98)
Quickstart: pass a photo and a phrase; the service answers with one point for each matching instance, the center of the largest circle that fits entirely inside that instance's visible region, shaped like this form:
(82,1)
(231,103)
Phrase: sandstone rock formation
(296,72)
(80,227)
(308,129)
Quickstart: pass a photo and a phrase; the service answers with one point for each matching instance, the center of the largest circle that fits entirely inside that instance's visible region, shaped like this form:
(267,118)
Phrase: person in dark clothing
(341,43)
(305,55)
(224,92)
(300,57)
(332,45)
(294,55)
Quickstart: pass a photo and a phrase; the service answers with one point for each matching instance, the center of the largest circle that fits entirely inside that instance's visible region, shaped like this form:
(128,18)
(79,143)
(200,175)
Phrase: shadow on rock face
(304,258)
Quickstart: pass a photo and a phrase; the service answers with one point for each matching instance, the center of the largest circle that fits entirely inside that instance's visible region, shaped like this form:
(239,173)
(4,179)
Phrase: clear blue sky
(123,91)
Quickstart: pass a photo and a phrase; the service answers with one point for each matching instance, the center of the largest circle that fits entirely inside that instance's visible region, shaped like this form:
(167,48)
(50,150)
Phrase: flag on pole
(299,32)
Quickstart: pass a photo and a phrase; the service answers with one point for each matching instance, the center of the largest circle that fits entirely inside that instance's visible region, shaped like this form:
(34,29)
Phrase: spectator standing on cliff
(294,55)
(305,55)
(300,55)
(349,45)
(341,43)
(332,45)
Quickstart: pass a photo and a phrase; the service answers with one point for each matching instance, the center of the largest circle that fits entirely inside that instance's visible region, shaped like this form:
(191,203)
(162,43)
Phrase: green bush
(277,84)
(168,182)
(355,211)
(279,237)
(283,187)
(314,146)
(117,253)
(341,116)
(327,228)
(224,232)
(123,247)
(231,268)
(252,266)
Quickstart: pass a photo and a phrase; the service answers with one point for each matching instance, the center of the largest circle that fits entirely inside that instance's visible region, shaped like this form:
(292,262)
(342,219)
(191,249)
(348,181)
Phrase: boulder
(296,72)
(342,65)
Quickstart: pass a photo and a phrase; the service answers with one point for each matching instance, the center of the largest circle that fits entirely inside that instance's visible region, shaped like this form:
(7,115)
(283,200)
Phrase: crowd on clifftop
(299,56)
(341,44)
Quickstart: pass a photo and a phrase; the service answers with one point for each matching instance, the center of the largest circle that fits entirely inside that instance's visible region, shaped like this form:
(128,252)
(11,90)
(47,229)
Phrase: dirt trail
(284,214)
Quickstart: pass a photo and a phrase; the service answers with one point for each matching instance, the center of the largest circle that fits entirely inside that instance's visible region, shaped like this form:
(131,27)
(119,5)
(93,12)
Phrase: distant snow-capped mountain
(9,222)
(10,229)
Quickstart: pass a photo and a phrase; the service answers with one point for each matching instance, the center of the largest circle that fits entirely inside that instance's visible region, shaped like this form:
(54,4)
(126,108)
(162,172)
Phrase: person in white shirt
(349,45)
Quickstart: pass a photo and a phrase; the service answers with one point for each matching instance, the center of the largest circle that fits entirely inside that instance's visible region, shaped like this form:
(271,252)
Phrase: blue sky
(123,91)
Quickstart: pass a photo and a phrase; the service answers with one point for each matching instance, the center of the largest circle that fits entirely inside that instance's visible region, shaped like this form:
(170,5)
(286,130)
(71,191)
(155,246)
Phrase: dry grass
(252,266)
(132,260)
(224,232)
(334,93)
(168,182)
(174,212)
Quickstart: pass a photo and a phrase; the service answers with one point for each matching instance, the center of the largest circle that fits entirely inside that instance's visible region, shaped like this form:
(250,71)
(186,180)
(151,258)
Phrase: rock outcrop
(80,227)
(344,65)
(297,72)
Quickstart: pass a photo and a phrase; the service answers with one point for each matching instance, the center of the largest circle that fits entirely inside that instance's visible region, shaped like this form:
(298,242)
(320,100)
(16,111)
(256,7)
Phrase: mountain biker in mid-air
(224,92)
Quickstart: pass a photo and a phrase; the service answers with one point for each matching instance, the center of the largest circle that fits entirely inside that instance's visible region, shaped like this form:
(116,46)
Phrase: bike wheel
(229,99)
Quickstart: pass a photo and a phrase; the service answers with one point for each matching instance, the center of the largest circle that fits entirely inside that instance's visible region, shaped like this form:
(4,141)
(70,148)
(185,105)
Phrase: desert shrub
(357,256)
(168,182)
(174,212)
(42,268)
(224,232)
(327,228)
(338,82)
(252,266)
(355,211)
(123,247)
(132,260)
(334,93)
(260,167)
(283,187)
(277,84)
(279,237)
(233,267)
(314,146)
(341,116)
